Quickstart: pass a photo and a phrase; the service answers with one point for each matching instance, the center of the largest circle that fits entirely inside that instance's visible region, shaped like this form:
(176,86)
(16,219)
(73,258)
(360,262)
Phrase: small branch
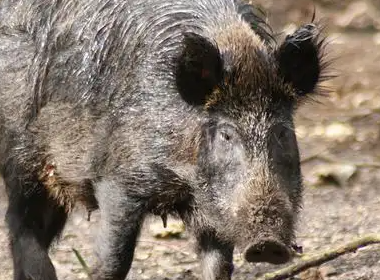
(374,164)
(83,263)
(356,163)
(316,260)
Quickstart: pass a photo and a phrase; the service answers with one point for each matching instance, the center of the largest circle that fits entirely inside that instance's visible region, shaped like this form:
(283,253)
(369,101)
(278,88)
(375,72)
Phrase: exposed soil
(344,125)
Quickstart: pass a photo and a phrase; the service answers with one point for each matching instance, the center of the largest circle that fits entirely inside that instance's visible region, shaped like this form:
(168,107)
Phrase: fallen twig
(307,262)
(83,263)
(356,163)
(374,164)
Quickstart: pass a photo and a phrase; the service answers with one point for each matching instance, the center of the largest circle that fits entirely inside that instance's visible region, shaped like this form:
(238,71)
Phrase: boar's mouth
(267,250)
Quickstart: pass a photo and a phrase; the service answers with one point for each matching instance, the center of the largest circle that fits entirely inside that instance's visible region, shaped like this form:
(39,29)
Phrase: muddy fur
(150,107)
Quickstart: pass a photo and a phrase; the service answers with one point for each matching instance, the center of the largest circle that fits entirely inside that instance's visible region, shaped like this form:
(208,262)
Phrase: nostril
(278,253)
(254,253)
(267,251)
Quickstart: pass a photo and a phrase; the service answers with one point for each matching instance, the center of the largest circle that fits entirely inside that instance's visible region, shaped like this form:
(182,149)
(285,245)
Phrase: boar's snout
(267,250)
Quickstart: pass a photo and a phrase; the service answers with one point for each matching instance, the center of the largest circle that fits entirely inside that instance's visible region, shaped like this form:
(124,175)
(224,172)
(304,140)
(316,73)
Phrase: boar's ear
(299,59)
(199,69)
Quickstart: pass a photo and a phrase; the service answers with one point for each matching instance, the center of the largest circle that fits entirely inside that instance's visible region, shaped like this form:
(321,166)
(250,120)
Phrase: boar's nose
(269,251)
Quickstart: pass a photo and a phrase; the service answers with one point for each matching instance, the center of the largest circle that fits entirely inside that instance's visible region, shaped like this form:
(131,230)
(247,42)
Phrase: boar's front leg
(121,219)
(34,218)
(216,257)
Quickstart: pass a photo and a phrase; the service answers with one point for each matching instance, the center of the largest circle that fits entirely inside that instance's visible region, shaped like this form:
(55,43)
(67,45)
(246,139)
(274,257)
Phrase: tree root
(307,262)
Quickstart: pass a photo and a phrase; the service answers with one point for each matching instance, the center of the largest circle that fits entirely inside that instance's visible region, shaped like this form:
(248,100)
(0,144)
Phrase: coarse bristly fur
(138,107)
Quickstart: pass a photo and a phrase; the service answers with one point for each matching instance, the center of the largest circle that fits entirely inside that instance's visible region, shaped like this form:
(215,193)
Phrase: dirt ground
(342,193)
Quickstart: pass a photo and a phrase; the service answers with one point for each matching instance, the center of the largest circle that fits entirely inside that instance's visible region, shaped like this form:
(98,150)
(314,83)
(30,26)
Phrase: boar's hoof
(269,251)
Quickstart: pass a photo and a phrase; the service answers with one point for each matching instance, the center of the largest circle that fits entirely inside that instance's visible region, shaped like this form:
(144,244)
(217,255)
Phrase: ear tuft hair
(257,19)
(301,59)
(199,69)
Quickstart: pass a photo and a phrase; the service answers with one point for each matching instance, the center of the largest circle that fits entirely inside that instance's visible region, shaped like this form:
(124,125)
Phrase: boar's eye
(226,133)
(224,150)
(226,155)
(225,136)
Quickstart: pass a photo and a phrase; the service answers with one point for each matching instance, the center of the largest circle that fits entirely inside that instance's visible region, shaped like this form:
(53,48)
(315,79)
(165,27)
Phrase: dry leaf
(332,174)
(339,131)
(172,230)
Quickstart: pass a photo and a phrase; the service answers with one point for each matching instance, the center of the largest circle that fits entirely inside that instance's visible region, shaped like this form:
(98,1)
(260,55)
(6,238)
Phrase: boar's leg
(121,219)
(216,257)
(34,220)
